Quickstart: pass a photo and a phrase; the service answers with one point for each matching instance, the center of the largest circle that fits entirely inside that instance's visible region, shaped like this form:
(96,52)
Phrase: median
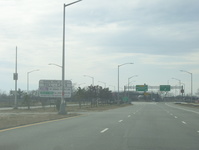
(18,117)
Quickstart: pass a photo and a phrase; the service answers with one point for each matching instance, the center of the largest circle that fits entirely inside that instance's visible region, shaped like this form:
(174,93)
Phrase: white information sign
(53,88)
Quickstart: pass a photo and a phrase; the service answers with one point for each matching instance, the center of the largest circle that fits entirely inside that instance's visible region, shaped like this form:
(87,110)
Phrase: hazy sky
(159,37)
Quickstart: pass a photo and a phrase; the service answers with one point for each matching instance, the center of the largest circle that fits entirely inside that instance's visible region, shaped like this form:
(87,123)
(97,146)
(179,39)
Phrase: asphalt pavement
(142,126)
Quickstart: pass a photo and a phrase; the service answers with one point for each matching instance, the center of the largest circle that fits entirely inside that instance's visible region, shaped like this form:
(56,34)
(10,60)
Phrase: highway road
(142,126)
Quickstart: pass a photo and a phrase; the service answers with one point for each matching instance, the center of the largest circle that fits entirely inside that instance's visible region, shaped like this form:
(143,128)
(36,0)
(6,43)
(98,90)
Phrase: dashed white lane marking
(198,131)
(176,117)
(120,120)
(184,122)
(129,116)
(104,130)
(171,114)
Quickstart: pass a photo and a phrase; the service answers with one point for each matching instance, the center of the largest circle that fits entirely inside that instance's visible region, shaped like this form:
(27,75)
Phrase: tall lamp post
(129,82)
(191,82)
(62,109)
(178,81)
(15,77)
(91,78)
(118,69)
(28,79)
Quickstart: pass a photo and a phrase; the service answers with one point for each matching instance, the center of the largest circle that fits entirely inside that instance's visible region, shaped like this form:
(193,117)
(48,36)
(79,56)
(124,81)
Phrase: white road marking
(184,122)
(104,130)
(129,116)
(183,109)
(176,117)
(198,131)
(171,114)
(120,120)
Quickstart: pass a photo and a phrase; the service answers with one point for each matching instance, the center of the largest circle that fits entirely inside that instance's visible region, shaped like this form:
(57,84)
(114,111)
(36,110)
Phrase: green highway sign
(141,87)
(165,87)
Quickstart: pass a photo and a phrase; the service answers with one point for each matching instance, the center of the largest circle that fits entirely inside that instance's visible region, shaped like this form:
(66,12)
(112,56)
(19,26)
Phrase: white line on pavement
(198,131)
(120,120)
(184,122)
(176,117)
(129,115)
(182,108)
(104,130)
(171,114)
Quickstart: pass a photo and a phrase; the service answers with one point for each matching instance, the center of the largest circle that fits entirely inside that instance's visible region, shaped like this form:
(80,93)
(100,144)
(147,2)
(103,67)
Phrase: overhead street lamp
(178,80)
(55,65)
(191,82)
(118,96)
(103,83)
(91,78)
(62,109)
(129,80)
(28,79)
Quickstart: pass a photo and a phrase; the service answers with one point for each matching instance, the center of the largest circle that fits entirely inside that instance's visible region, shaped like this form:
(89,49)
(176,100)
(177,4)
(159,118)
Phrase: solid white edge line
(104,130)
(182,108)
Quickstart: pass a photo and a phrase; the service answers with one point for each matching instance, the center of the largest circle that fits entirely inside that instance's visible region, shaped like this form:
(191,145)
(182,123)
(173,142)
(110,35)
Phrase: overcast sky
(159,37)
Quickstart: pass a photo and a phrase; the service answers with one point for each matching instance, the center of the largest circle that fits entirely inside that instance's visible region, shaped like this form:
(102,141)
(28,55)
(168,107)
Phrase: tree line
(94,94)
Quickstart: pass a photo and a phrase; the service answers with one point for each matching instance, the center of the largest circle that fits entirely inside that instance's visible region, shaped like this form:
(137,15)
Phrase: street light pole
(118,70)
(191,82)
(128,82)
(179,82)
(55,65)
(28,79)
(16,78)
(62,109)
(91,78)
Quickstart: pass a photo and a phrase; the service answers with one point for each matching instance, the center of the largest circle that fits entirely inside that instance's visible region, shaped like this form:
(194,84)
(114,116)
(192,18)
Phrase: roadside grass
(18,117)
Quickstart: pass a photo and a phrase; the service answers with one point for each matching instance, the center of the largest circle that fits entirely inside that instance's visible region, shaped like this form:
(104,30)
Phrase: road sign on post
(165,87)
(53,88)
(142,87)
